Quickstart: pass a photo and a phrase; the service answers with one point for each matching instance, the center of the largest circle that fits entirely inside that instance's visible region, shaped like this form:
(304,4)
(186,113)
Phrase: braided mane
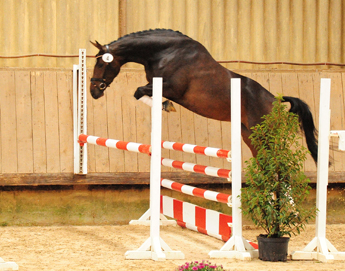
(166,32)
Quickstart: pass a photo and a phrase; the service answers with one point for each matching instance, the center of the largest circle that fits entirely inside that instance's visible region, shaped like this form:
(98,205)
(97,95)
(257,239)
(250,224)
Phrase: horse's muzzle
(96,91)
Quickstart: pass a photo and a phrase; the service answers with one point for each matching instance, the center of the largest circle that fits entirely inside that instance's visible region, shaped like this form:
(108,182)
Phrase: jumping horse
(193,79)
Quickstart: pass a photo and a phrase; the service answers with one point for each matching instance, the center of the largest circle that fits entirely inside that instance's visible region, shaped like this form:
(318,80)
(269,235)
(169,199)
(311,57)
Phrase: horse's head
(106,69)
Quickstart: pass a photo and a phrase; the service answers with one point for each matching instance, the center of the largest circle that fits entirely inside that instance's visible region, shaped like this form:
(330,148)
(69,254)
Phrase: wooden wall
(36,136)
(253,30)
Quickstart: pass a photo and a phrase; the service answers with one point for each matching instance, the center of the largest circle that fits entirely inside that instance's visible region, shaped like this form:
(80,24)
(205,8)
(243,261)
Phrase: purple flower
(195,268)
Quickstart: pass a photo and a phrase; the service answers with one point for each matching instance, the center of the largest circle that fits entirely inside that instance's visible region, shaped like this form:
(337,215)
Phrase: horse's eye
(100,65)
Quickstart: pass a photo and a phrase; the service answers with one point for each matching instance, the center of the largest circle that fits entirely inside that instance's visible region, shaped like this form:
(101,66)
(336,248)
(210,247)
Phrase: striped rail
(207,170)
(208,151)
(197,192)
(144,148)
(116,144)
(198,219)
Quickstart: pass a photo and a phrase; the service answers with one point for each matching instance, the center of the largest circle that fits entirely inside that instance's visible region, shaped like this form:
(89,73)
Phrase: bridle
(103,84)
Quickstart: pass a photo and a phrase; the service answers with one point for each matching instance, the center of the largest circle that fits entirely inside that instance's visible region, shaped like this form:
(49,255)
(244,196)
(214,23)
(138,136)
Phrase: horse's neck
(133,51)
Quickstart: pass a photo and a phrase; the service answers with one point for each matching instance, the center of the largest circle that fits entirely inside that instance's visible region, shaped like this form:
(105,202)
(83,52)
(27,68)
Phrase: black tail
(307,123)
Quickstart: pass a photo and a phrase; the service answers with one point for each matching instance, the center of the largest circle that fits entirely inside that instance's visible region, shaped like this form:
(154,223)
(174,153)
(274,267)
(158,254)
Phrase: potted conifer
(276,187)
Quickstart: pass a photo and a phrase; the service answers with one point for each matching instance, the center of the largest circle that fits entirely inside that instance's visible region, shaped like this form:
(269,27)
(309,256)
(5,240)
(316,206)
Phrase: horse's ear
(96,44)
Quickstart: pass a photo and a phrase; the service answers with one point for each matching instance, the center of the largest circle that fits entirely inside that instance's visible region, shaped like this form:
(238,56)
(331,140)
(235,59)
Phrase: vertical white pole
(155,170)
(236,161)
(153,247)
(236,247)
(75,120)
(82,110)
(323,157)
(320,248)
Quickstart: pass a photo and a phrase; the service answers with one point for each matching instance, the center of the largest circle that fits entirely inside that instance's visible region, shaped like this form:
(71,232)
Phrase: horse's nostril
(102,86)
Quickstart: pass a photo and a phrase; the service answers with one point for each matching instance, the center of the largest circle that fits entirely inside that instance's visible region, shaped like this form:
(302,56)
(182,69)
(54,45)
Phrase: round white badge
(107,57)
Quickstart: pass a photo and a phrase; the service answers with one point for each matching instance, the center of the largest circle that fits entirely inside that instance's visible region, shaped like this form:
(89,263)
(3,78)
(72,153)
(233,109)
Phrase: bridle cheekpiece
(107,58)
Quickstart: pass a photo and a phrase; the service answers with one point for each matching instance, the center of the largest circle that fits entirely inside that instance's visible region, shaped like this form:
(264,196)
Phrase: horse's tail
(307,123)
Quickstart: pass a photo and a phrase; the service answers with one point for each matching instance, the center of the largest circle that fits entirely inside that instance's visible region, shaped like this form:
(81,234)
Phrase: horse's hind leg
(245,136)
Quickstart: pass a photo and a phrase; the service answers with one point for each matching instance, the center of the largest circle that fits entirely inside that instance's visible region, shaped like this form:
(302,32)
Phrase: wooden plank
(65,101)
(275,83)
(284,26)
(201,137)
(115,125)
(262,78)
(101,130)
(51,122)
(38,122)
(226,140)
(306,87)
(129,122)
(174,133)
(1,132)
(296,47)
(127,178)
(8,122)
(24,121)
(217,29)
(179,15)
(187,132)
(204,24)
(165,13)
(215,140)
(143,127)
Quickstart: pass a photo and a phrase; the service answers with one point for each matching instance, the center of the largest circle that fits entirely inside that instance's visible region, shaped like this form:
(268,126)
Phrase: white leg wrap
(146,100)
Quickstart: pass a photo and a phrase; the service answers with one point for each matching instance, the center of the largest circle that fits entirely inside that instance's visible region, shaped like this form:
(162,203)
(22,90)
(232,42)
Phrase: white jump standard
(218,225)
(154,247)
(320,248)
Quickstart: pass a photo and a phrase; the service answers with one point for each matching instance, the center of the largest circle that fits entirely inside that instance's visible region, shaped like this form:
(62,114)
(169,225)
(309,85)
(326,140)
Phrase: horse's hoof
(168,106)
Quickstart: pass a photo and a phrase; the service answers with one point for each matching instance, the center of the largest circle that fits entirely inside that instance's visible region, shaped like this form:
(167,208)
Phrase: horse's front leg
(144,90)
(144,94)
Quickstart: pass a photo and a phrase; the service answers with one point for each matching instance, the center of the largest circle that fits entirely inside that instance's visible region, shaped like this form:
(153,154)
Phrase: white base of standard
(237,248)
(144,220)
(145,252)
(319,249)
(5,266)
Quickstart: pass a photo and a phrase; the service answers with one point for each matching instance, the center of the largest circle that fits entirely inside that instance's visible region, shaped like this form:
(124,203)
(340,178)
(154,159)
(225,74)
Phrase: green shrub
(276,186)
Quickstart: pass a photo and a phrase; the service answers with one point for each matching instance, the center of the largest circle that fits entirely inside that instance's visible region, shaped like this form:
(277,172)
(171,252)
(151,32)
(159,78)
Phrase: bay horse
(192,79)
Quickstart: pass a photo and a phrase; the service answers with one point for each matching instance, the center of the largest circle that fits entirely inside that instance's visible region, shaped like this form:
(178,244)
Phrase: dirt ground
(104,247)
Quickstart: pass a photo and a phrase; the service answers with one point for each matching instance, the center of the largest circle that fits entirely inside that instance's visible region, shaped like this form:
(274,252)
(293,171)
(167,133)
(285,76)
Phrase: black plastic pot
(273,249)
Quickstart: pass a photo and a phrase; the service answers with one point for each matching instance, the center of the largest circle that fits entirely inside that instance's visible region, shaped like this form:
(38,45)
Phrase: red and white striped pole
(197,192)
(116,144)
(208,151)
(207,170)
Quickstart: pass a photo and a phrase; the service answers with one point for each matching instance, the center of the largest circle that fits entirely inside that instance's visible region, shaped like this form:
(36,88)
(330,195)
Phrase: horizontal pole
(197,192)
(208,151)
(206,170)
(144,148)
(116,144)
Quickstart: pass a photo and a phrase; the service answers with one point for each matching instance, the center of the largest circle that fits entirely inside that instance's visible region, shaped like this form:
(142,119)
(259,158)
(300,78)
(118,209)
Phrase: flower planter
(273,249)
